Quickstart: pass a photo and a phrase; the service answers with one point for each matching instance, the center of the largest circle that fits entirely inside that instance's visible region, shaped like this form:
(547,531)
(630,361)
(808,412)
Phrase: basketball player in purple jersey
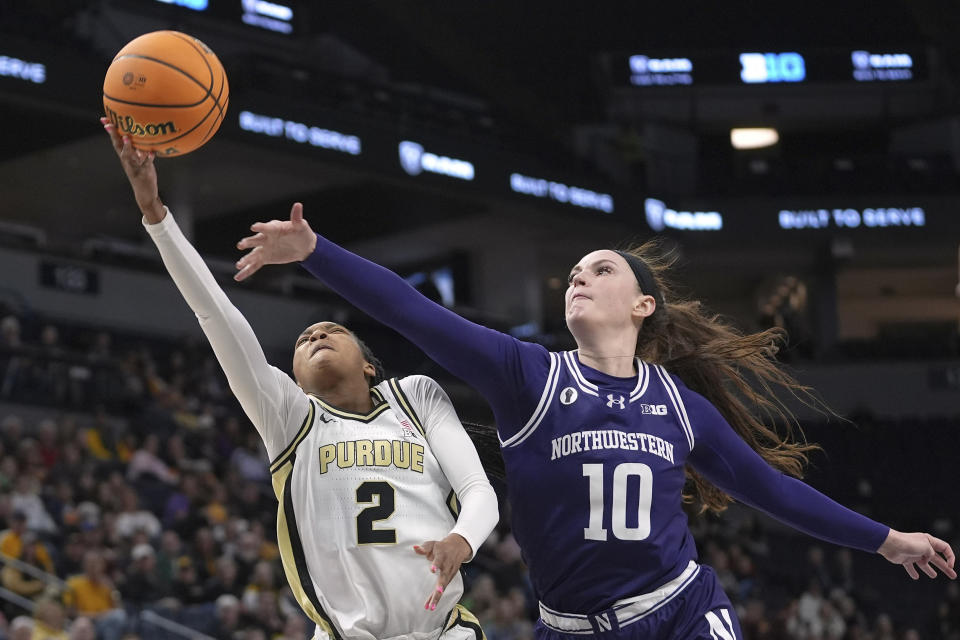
(598,442)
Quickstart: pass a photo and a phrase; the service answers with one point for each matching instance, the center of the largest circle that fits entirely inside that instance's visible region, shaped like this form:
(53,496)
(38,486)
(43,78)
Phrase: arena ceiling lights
(753,137)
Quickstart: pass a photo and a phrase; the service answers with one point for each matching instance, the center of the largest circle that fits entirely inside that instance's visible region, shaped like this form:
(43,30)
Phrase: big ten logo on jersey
(407,430)
(654,409)
(401,454)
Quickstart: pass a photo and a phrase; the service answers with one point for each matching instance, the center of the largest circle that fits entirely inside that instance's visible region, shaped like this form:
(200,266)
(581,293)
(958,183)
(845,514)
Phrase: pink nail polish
(439,589)
(433,607)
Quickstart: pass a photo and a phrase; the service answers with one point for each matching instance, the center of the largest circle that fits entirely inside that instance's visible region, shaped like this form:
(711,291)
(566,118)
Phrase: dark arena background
(478,151)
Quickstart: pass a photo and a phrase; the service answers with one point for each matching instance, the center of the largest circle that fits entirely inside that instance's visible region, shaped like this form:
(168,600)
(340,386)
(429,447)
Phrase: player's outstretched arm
(266,394)
(727,461)
(488,360)
(919,551)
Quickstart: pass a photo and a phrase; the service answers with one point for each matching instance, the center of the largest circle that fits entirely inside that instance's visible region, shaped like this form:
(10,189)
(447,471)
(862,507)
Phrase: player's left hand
(919,551)
(276,242)
(445,558)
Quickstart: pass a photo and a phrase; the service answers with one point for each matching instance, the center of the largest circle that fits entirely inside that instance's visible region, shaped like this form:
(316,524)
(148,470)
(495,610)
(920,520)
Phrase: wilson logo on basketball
(126,124)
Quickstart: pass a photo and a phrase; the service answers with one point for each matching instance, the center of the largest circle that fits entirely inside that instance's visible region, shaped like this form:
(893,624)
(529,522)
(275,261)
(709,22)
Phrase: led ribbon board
(559,192)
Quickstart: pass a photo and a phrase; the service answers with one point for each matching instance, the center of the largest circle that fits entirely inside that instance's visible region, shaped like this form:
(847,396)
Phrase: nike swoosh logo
(324,418)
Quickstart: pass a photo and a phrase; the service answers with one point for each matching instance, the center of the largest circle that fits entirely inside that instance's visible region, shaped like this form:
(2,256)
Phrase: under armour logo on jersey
(568,395)
(615,400)
(654,409)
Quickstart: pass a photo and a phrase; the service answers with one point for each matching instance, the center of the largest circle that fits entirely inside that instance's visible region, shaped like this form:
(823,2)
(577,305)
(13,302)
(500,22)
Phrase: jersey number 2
(618,504)
(382,510)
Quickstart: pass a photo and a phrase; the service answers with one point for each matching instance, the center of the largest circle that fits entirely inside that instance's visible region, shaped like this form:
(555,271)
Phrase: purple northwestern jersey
(594,462)
(596,477)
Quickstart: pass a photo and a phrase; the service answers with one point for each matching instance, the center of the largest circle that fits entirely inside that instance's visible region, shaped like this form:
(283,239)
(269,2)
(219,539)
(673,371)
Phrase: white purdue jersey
(355,492)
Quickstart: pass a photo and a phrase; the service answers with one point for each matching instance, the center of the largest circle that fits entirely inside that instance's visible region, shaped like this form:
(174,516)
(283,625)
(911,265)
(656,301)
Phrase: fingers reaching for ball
(140,170)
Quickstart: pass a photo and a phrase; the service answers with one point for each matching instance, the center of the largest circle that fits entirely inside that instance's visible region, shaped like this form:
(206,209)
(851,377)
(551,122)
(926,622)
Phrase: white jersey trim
(623,612)
(677,402)
(546,398)
(643,380)
(585,386)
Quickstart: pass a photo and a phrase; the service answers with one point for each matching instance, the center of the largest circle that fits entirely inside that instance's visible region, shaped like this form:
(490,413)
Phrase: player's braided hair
(487,443)
(737,373)
(367,352)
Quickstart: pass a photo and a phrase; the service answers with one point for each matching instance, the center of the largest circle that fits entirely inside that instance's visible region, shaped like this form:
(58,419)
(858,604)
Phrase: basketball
(167,91)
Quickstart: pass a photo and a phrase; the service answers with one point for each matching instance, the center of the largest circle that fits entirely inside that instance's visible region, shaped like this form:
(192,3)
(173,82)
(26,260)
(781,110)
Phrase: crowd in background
(128,473)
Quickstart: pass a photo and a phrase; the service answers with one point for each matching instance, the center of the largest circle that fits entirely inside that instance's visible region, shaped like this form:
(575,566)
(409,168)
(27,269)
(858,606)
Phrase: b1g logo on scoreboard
(760,68)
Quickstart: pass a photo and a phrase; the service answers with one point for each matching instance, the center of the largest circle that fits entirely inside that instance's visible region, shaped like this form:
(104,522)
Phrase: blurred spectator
(48,448)
(141,585)
(755,622)
(70,560)
(132,518)
(217,509)
(26,498)
(49,620)
(82,629)
(60,505)
(186,587)
(263,613)
(261,582)
(92,594)
(171,548)
(294,628)
(508,621)
(816,568)
(224,580)
(146,463)
(180,511)
(21,582)
(205,553)
(250,460)
(11,432)
(21,628)
(10,332)
(833,625)
(227,617)
(481,597)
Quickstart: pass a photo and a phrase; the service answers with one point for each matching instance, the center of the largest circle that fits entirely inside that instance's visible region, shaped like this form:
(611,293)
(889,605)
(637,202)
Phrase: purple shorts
(691,607)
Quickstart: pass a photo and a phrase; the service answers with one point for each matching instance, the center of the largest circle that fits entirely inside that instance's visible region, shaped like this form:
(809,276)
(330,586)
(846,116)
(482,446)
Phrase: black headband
(643,274)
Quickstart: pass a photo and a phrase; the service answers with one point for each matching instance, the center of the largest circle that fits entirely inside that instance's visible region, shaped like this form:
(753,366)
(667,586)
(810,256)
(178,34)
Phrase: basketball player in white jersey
(369,475)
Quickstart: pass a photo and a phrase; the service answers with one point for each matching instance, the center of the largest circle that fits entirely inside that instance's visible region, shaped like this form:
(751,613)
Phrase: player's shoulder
(416,386)
(675,385)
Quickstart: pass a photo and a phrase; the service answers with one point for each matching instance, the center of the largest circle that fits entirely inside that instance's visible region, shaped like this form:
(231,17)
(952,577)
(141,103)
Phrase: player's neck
(349,396)
(613,356)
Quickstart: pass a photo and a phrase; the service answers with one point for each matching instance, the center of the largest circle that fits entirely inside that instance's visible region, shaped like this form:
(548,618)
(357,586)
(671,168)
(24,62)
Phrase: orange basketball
(167,91)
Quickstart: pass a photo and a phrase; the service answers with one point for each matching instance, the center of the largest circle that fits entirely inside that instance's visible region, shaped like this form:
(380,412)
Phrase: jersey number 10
(618,505)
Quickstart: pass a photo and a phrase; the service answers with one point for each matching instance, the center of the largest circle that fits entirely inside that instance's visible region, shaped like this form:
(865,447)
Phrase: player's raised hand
(140,170)
(445,557)
(919,551)
(276,242)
